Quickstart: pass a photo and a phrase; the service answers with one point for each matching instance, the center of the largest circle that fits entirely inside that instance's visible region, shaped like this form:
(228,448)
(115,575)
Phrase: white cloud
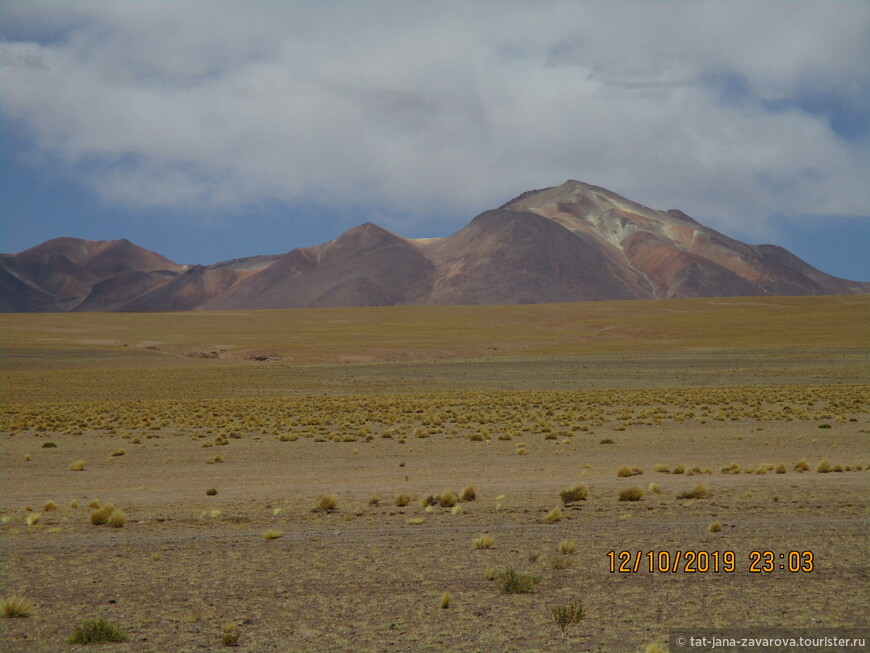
(426,107)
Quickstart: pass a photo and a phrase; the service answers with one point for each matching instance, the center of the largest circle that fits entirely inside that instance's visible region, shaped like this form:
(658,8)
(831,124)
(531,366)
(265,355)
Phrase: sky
(213,130)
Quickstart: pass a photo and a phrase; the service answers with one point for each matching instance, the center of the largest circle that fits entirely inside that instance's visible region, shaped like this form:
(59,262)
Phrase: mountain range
(568,243)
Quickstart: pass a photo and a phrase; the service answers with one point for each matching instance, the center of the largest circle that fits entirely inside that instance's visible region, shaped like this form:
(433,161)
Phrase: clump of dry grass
(375,500)
(94,504)
(561,562)
(403,500)
(16,606)
(698,492)
(326,503)
(662,469)
(33,518)
(77,466)
(416,521)
(230,635)
(781,469)
(573,494)
(117,452)
(104,515)
(554,515)
(802,466)
(117,519)
(567,547)
(271,534)
(679,469)
(445,600)
(49,505)
(97,631)
(468,493)
(626,471)
(447,499)
(633,493)
(654,488)
(824,467)
(489,574)
(484,541)
(714,527)
(214,459)
(510,582)
(567,616)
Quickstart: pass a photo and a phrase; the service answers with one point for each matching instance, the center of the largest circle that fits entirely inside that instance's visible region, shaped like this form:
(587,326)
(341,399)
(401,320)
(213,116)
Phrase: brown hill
(573,242)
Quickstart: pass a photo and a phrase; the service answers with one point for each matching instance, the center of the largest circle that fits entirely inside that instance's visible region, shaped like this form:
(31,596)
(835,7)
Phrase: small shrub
(101,515)
(824,426)
(445,600)
(662,469)
(117,452)
(483,541)
(714,527)
(568,616)
(94,504)
(605,441)
(214,459)
(554,515)
(211,491)
(573,494)
(781,469)
(489,574)
(33,518)
(49,445)
(561,562)
(373,501)
(824,467)
(97,631)
(74,504)
(654,488)
(698,492)
(271,534)
(15,606)
(230,635)
(624,471)
(447,499)
(567,547)
(117,519)
(416,521)
(679,469)
(49,505)
(77,466)
(468,493)
(634,493)
(802,466)
(326,503)
(510,582)
(403,500)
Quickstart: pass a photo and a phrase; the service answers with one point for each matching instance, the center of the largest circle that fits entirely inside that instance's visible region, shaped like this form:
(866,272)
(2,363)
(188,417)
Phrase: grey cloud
(424,108)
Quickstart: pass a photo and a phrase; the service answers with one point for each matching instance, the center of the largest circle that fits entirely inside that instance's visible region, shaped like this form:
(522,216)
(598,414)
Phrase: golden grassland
(381,476)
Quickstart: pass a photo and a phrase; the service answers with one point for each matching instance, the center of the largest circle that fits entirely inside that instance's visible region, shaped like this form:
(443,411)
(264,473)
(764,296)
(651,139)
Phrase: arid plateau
(363,479)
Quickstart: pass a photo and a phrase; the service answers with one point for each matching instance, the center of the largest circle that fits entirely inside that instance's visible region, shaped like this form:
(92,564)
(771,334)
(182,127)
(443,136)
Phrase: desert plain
(256,459)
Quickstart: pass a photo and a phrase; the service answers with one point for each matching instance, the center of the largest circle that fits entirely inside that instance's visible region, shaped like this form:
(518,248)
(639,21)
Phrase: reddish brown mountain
(573,242)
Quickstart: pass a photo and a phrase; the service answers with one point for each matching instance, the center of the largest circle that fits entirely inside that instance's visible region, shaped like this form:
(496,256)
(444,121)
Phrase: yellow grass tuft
(714,527)
(101,515)
(468,493)
(49,505)
(554,515)
(653,488)
(77,466)
(117,518)
(483,541)
(824,467)
(567,547)
(416,521)
(403,500)
(634,493)
(447,499)
(271,534)
(573,494)
(16,606)
(326,503)
(445,600)
(802,466)
(698,492)
(33,518)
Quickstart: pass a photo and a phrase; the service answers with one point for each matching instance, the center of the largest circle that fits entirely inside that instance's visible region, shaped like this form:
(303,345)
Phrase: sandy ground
(362,578)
